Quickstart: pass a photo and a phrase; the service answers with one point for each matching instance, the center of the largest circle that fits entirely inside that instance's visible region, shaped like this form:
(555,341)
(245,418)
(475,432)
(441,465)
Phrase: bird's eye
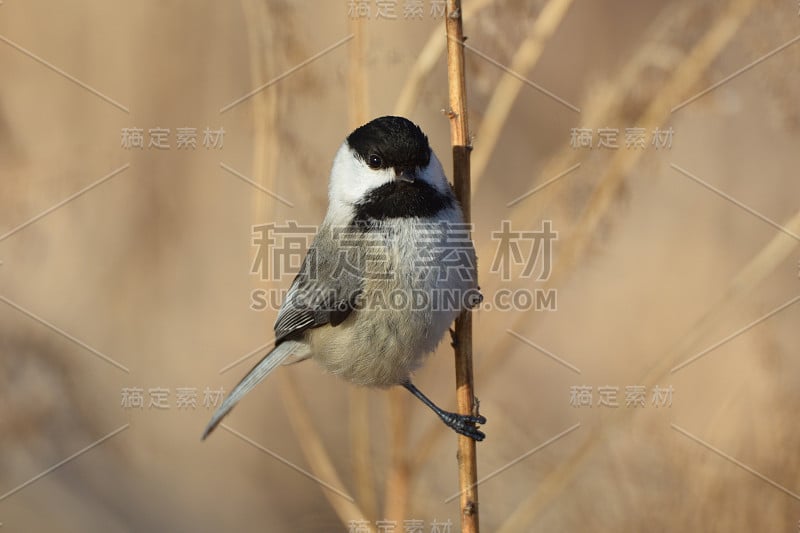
(374,161)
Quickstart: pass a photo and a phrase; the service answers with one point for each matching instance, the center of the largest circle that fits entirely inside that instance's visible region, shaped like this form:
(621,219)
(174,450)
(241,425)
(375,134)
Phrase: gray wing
(325,290)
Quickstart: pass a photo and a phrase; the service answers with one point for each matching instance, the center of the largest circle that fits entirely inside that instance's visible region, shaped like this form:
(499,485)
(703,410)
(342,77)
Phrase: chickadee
(389,270)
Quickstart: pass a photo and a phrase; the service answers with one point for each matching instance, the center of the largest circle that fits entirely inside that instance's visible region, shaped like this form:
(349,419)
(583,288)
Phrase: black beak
(408,175)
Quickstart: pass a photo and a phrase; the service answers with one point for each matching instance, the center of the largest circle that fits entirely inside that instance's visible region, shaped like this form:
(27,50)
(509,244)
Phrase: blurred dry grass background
(152,267)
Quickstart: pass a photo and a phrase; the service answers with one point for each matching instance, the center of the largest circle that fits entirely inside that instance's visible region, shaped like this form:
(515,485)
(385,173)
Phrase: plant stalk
(459,137)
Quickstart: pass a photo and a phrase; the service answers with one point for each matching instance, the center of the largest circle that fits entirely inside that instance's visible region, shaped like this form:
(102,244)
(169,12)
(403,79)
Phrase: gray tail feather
(270,361)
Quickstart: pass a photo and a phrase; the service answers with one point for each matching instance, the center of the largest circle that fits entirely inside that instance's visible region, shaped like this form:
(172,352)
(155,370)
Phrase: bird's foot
(464,424)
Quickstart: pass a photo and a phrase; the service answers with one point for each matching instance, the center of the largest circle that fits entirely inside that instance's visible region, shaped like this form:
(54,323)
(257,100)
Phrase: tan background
(151,268)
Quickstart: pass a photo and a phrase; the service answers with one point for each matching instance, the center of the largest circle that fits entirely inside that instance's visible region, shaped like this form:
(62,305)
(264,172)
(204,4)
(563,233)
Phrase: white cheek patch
(351,178)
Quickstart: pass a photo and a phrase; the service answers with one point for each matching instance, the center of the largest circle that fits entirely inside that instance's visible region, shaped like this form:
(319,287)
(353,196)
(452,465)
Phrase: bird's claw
(465,424)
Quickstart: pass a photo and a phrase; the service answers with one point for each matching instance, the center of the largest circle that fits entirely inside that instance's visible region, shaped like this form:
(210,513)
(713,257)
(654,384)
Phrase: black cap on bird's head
(392,142)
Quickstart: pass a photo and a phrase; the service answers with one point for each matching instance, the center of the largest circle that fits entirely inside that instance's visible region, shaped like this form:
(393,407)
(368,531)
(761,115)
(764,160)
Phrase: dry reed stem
(756,270)
(623,161)
(357,83)
(358,110)
(398,476)
(265,104)
(360,440)
(701,56)
(459,137)
(509,86)
(426,60)
(314,450)
(547,490)
(363,471)
(607,101)
(602,108)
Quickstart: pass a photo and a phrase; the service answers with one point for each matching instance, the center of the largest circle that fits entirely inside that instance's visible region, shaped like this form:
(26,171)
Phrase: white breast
(381,344)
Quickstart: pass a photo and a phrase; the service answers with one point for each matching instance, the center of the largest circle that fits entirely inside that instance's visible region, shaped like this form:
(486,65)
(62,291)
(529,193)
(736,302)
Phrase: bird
(390,268)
